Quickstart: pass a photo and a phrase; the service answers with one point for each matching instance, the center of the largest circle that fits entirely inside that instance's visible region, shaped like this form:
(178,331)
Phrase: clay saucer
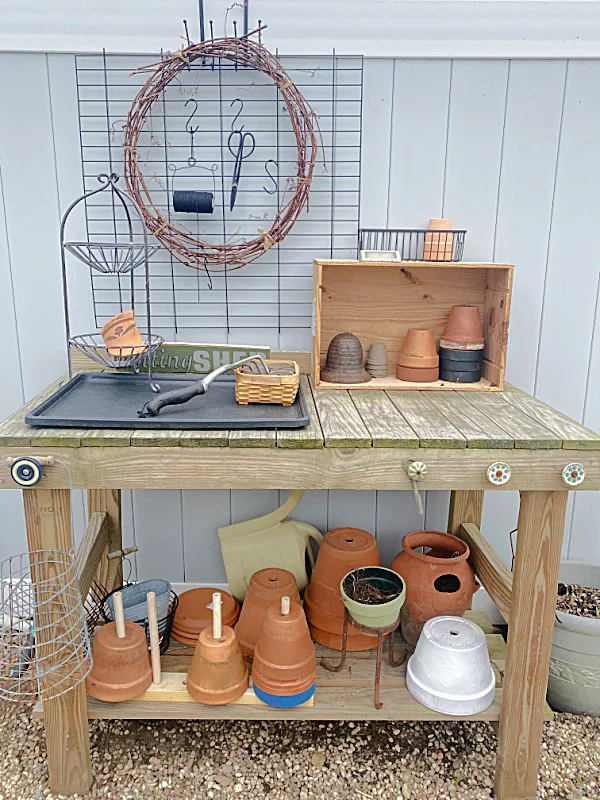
(194,613)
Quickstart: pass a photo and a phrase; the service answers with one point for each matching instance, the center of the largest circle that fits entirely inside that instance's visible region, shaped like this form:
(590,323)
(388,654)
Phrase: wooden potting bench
(355,440)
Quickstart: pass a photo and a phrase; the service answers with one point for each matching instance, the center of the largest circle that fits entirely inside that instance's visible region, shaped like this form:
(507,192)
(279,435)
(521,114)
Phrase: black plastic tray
(112,400)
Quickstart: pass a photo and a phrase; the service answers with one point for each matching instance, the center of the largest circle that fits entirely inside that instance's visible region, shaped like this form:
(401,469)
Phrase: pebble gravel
(195,760)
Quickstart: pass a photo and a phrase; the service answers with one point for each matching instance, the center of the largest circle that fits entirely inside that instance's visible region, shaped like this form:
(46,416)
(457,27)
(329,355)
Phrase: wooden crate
(379,302)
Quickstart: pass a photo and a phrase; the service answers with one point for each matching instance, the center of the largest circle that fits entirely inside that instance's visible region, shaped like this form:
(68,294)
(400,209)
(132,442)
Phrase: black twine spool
(193,202)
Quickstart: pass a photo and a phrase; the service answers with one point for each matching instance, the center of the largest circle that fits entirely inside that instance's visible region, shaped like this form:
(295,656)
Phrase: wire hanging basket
(93,346)
(111,258)
(44,642)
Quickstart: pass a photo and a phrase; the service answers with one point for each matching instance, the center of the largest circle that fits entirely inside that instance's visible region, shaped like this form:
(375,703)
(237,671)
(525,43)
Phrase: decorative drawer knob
(573,474)
(416,470)
(26,472)
(499,473)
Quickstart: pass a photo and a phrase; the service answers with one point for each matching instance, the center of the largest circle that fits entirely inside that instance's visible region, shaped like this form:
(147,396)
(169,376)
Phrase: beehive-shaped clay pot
(439,244)
(267,586)
(121,666)
(463,329)
(284,670)
(438,582)
(344,363)
(342,550)
(217,674)
(194,613)
(121,335)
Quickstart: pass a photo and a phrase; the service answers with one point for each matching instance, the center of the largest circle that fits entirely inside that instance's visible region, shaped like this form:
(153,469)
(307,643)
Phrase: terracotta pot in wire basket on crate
(280,386)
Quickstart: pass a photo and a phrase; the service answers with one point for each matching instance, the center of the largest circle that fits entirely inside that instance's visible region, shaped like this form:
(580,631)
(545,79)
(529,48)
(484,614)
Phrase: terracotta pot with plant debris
(439,580)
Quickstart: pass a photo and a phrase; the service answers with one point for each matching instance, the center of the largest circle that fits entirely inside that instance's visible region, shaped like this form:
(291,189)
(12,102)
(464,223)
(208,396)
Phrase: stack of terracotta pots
(344,363)
(194,613)
(284,669)
(342,550)
(418,360)
(439,582)
(217,674)
(439,244)
(266,587)
(121,335)
(377,360)
(461,346)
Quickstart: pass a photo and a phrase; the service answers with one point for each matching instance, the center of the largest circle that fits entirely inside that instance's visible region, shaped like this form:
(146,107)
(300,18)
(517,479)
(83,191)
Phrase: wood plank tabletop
(352,419)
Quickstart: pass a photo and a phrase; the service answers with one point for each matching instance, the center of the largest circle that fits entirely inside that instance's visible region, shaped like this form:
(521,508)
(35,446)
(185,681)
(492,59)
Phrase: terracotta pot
(194,613)
(285,662)
(419,343)
(121,667)
(377,360)
(267,586)
(417,375)
(344,363)
(217,674)
(439,582)
(342,550)
(463,328)
(121,335)
(438,246)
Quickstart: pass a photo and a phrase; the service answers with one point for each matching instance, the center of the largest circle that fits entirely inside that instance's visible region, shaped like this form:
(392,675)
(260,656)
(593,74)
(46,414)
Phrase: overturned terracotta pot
(419,350)
(438,245)
(344,363)
(438,582)
(342,550)
(217,674)
(121,666)
(463,329)
(121,335)
(284,670)
(267,586)
(194,613)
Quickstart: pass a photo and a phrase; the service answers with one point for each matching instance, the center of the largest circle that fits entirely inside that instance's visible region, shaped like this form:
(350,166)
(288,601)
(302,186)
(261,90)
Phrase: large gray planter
(574,681)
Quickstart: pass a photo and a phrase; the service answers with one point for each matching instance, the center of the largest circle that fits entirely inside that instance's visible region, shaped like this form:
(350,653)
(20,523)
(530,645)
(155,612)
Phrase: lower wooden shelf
(345,695)
(391,383)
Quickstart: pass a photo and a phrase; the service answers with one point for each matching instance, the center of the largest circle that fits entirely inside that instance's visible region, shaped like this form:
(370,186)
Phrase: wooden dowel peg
(119,614)
(121,553)
(285,606)
(217,617)
(154,638)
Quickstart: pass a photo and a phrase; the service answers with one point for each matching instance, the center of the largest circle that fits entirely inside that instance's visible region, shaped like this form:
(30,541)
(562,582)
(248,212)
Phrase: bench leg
(465,506)
(535,578)
(48,520)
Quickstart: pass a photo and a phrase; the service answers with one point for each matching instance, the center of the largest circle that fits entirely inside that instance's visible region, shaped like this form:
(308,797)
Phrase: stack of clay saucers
(461,346)
(418,360)
(377,360)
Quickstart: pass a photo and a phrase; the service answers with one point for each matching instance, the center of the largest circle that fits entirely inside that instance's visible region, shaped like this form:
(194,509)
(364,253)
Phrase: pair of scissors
(240,153)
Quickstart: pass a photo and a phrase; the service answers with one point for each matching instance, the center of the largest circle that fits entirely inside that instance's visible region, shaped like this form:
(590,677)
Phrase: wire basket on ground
(44,643)
(165,623)
(411,244)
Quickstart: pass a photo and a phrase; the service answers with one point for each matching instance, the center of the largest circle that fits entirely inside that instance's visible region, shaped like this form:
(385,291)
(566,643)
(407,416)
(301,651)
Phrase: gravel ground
(297,761)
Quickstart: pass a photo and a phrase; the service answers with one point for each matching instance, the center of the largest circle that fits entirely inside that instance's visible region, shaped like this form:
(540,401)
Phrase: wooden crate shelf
(379,302)
(347,695)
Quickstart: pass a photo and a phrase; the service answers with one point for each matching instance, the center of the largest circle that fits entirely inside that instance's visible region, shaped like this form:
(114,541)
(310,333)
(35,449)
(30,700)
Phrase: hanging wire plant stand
(44,642)
(93,346)
(110,258)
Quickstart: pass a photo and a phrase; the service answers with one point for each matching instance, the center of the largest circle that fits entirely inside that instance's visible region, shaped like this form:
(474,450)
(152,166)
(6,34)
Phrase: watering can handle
(318,537)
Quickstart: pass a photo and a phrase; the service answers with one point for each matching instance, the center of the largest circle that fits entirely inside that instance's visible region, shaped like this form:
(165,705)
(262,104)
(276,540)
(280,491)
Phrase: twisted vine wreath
(186,248)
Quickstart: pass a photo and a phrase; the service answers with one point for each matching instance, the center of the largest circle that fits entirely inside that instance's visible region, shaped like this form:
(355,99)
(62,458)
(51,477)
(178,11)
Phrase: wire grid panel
(44,643)
(274,293)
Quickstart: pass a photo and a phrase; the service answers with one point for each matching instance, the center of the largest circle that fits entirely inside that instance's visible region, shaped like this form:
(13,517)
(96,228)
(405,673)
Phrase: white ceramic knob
(499,473)
(416,470)
(573,474)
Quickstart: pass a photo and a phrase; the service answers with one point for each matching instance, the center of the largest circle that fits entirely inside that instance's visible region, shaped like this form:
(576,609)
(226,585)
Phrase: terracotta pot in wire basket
(252,387)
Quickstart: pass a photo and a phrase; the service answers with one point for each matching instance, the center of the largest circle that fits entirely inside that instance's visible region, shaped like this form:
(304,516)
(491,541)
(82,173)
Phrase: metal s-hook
(241,102)
(191,130)
(271,161)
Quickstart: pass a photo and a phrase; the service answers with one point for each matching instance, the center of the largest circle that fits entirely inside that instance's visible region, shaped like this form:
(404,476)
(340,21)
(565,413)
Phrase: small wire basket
(44,642)
(410,244)
(110,258)
(93,346)
(165,623)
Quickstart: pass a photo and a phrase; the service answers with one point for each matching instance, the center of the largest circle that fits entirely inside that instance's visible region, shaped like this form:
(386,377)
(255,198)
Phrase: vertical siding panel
(354,509)
(204,512)
(159,534)
(250,503)
(419,129)
(396,516)
(375,171)
(312,508)
(32,217)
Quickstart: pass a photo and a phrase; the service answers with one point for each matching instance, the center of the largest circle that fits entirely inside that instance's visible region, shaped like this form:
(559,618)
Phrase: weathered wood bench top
(353,419)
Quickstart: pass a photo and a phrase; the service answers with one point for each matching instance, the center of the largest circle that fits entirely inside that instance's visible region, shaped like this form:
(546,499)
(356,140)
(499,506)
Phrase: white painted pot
(574,680)
(450,670)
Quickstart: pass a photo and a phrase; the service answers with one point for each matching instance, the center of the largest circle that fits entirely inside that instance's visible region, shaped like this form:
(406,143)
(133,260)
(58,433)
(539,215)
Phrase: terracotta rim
(413,375)
(418,362)
(435,539)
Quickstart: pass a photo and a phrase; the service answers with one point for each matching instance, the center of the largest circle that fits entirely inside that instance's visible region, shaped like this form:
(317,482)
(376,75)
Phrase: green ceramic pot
(383,614)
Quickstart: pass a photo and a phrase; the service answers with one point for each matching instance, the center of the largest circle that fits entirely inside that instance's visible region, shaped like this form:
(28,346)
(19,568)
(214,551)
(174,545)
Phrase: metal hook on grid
(192,130)
(241,102)
(271,191)
(113,130)
(208,275)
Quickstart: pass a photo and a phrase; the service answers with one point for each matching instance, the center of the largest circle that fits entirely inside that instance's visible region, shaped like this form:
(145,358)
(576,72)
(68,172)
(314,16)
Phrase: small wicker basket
(280,389)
